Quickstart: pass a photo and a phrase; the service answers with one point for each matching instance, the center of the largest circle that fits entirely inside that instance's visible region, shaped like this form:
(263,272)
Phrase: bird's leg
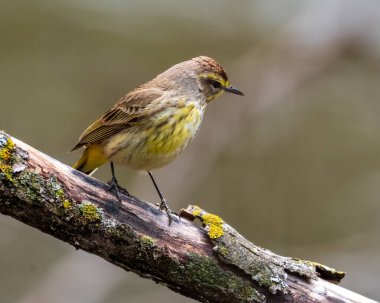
(163,204)
(114,185)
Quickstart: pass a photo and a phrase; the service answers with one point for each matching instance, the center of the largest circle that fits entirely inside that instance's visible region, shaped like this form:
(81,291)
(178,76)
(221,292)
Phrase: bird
(151,125)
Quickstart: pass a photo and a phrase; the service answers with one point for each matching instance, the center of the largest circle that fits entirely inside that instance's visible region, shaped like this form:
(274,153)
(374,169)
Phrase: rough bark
(210,264)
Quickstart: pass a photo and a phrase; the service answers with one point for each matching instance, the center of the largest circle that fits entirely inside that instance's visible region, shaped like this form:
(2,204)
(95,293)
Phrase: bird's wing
(127,112)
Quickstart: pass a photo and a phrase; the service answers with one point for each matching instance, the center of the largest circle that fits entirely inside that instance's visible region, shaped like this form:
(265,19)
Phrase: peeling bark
(213,264)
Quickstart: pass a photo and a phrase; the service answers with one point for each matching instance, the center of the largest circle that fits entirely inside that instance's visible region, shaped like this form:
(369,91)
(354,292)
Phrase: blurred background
(294,165)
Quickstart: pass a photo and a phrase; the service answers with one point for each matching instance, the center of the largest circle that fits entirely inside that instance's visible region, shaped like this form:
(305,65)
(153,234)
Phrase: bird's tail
(91,159)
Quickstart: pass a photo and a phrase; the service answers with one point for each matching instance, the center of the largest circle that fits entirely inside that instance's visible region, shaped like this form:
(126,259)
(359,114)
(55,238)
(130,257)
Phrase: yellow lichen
(146,240)
(67,204)
(213,222)
(90,211)
(6,153)
(6,170)
(196,211)
(7,150)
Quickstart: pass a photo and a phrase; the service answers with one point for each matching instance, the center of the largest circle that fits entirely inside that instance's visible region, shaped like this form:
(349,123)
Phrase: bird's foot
(164,206)
(117,189)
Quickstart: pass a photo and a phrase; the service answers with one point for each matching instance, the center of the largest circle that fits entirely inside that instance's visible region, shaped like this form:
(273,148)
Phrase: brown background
(294,165)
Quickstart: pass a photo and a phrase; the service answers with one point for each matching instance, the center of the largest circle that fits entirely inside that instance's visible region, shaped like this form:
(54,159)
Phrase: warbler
(148,127)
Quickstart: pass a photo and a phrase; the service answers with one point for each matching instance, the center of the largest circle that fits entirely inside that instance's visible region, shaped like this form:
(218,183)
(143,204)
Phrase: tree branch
(213,264)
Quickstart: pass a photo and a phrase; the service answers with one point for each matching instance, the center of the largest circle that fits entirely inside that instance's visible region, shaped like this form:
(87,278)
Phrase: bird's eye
(215,84)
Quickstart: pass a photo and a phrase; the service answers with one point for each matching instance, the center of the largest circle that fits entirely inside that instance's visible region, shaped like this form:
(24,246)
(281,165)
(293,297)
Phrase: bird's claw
(117,189)
(164,206)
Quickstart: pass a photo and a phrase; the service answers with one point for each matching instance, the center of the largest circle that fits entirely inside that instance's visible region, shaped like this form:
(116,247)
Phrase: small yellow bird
(151,125)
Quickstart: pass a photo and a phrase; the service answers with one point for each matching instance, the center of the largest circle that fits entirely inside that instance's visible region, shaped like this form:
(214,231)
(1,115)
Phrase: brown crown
(208,64)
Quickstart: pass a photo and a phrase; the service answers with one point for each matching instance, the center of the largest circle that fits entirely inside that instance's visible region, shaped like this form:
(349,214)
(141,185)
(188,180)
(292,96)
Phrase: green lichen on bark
(32,187)
(29,185)
(205,271)
(199,271)
(262,270)
(230,250)
(147,242)
(266,268)
(325,272)
(90,212)
(147,248)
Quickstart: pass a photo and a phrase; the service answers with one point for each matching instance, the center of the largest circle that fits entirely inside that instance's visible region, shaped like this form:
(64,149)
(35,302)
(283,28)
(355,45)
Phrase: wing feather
(127,112)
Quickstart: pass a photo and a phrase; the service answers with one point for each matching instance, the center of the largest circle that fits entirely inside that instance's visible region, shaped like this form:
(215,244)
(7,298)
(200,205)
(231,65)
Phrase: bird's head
(201,74)
(212,78)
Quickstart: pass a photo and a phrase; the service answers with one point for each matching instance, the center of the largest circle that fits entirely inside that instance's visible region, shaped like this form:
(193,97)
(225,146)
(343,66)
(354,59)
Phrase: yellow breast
(160,141)
(178,130)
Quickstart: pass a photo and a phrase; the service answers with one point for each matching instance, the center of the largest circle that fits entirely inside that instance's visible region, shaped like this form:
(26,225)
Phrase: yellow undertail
(91,159)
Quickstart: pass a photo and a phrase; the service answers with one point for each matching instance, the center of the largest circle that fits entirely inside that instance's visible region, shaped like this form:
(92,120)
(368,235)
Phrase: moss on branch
(266,268)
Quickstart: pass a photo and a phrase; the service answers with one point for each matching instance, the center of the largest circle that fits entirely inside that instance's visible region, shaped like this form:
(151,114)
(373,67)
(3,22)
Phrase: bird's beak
(233,90)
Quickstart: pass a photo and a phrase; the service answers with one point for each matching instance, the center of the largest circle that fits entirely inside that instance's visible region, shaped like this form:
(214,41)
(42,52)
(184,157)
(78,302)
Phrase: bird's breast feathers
(160,140)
